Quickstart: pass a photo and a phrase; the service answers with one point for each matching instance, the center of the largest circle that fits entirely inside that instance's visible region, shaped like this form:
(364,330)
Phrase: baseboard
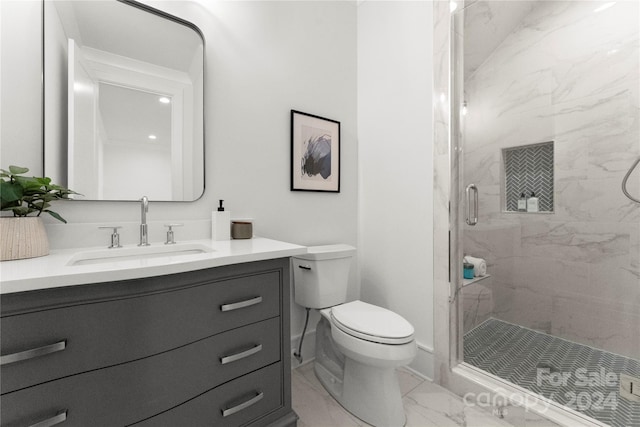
(423,364)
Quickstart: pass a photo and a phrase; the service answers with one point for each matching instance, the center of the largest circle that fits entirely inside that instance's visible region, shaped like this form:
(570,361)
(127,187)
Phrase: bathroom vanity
(204,342)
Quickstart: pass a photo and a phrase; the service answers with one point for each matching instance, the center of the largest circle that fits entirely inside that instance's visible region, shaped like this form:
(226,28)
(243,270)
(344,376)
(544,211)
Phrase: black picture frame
(315,153)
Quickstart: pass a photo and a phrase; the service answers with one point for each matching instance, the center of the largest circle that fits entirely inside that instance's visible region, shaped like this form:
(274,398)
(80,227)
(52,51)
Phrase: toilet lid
(372,323)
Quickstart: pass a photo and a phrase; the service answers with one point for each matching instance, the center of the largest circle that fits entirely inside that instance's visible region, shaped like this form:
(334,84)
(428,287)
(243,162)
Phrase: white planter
(23,237)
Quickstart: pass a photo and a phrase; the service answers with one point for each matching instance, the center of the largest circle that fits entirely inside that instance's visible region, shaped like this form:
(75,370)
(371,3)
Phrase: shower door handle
(472,209)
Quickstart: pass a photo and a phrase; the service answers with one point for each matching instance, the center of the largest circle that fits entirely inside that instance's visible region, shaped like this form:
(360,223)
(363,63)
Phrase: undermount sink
(101,256)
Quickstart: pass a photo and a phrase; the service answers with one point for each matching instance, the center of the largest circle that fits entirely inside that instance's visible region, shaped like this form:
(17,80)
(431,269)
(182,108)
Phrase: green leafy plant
(26,195)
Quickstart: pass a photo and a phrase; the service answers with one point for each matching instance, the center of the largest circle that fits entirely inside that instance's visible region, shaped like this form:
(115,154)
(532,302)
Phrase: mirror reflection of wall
(137,138)
(123,102)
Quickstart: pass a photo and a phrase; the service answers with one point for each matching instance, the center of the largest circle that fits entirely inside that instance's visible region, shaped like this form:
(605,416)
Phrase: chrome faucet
(144,236)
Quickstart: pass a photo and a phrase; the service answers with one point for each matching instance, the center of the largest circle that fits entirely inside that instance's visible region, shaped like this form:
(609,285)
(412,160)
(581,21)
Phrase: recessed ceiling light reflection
(164,100)
(152,137)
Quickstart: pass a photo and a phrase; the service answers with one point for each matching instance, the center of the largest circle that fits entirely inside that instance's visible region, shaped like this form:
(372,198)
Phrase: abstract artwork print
(315,153)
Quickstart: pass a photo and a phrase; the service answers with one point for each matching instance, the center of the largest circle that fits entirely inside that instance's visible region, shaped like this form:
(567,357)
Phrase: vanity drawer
(89,336)
(137,390)
(238,402)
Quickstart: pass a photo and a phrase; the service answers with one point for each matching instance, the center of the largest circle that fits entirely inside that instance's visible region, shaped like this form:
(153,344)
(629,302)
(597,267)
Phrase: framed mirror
(123,101)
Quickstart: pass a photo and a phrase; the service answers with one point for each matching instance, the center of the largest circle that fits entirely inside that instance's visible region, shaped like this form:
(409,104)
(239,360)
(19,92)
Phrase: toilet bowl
(358,345)
(374,342)
(371,334)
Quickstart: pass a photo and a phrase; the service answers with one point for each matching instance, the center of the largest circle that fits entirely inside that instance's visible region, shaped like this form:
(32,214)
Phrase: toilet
(358,345)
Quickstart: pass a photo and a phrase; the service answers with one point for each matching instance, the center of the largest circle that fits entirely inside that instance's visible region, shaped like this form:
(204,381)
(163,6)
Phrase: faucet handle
(115,237)
(170,236)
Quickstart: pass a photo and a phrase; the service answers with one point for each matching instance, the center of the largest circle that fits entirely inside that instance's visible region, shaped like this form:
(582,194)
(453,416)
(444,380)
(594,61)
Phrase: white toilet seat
(372,353)
(371,323)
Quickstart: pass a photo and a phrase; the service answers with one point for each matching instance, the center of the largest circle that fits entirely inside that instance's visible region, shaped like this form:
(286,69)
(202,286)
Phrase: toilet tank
(321,275)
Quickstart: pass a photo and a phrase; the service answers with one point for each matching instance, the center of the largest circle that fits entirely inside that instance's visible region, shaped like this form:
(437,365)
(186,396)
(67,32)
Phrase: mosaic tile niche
(529,169)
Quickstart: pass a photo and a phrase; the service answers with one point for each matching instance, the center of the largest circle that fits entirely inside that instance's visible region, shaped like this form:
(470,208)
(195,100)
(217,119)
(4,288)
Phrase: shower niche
(528,173)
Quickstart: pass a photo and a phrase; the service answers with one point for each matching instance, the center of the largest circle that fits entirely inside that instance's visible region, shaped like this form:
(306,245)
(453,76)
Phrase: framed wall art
(315,153)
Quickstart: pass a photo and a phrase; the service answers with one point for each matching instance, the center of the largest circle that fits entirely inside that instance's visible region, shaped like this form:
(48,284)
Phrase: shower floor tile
(580,377)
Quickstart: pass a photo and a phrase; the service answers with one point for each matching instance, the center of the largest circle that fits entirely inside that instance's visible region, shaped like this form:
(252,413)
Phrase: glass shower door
(551,94)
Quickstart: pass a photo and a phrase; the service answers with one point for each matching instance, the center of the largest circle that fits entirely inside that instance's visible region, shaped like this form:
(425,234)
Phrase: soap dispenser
(522,203)
(532,203)
(221,224)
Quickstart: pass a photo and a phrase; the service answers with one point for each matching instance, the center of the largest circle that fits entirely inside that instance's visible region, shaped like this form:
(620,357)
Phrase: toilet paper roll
(479,265)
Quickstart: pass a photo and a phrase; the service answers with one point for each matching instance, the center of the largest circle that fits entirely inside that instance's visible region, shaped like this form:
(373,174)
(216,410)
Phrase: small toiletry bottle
(221,224)
(532,203)
(522,203)
(467,270)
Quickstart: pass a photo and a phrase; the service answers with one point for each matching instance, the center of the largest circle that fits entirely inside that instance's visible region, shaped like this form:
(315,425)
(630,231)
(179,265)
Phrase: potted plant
(24,236)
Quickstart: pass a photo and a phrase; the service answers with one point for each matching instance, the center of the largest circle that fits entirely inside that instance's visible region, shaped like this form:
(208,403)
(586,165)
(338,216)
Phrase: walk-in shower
(550,113)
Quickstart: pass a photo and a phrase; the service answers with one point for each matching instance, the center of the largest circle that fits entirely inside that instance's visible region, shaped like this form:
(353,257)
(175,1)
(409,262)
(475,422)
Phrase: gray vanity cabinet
(207,347)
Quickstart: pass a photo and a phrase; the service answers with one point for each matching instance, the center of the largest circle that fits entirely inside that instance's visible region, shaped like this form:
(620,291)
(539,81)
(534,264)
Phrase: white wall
(20,90)
(396,163)
(262,60)
(127,163)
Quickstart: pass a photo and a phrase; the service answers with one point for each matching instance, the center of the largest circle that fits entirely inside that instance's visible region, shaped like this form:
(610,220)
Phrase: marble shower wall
(570,75)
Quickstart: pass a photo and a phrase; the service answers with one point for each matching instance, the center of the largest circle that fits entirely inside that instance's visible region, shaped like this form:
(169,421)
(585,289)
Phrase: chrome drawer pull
(253,350)
(255,399)
(59,418)
(34,352)
(241,304)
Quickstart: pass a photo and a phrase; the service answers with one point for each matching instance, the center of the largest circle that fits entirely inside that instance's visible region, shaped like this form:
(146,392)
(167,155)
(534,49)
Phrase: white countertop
(54,270)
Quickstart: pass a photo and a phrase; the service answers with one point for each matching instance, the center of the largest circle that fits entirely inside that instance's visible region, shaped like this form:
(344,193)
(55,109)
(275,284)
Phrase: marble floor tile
(519,416)
(313,404)
(426,404)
